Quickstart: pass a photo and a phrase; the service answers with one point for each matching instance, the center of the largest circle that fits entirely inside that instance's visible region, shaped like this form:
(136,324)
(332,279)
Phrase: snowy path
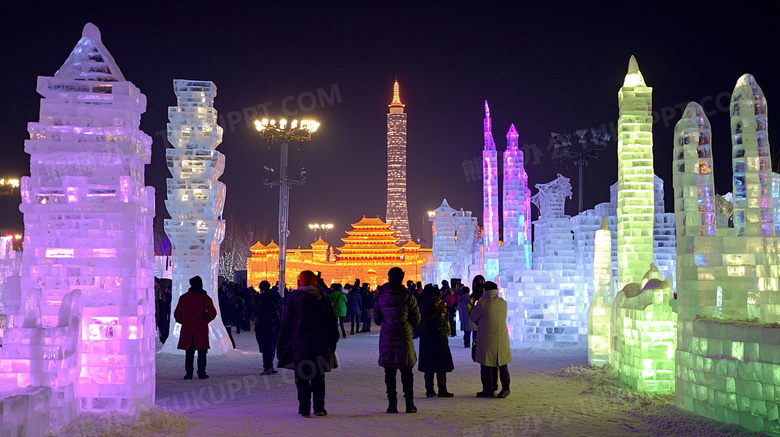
(235,401)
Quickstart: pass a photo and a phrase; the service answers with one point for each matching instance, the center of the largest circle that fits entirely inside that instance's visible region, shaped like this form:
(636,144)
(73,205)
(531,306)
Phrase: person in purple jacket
(396,312)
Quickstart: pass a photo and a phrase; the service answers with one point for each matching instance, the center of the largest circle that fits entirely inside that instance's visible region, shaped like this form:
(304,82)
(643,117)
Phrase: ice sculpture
(35,358)
(728,352)
(195,200)
(547,308)
(490,200)
(644,333)
(599,322)
(514,192)
(454,235)
(88,227)
(515,253)
(635,177)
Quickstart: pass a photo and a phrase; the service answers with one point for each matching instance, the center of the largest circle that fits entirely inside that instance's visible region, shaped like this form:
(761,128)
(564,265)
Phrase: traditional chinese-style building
(369,251)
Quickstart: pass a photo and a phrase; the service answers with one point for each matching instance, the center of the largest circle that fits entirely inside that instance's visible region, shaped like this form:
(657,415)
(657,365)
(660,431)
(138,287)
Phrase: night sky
(545,67)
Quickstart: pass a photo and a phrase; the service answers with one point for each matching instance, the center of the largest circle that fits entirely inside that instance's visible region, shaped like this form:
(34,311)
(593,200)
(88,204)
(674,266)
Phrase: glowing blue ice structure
(454,246)
(88,244)
(547,308)
(728,349)
(490,201)
(195,200)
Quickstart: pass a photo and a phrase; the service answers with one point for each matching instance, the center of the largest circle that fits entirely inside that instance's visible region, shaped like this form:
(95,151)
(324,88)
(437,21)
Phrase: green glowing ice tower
(635,178)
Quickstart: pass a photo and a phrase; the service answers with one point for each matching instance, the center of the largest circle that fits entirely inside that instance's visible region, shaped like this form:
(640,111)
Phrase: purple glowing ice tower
(88,229)
(490,200)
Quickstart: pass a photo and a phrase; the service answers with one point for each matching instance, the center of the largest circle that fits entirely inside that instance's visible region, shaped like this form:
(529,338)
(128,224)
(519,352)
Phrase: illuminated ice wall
(599,321)
(644,334)
(88,230)
(635,178)
(490,200)
(546,308)
(728,356)
(454,245)
(195,200)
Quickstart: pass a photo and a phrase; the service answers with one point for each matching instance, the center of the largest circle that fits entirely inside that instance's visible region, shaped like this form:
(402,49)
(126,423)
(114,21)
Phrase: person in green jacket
(339,301)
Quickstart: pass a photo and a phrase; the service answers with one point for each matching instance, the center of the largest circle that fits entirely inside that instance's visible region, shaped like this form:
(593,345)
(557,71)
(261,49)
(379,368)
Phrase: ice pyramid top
(512,133)
(444,209)
(633,76)
(90,60)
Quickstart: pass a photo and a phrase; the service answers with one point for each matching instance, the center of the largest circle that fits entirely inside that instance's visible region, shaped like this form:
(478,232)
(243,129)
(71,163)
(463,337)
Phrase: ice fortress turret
(88,241)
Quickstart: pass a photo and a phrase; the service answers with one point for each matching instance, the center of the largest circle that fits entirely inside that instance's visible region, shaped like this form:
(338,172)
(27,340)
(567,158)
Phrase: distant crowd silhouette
(302,328)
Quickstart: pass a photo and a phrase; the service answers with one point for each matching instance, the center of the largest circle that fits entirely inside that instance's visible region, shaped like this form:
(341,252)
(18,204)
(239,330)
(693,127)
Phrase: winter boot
(429,393)
(392,407)
(410,408)
(441,380)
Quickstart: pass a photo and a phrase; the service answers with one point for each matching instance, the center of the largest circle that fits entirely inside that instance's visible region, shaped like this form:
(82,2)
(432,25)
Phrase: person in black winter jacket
(396,313)
(367,296)
(267,316)
(226,311)
(307,342)
(435,355)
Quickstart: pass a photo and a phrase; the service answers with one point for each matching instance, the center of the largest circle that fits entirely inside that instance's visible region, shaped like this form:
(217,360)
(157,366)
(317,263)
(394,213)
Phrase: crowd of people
(301,330)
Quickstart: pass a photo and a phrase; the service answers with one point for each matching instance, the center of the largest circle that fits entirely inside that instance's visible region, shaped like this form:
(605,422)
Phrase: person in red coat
(194,312)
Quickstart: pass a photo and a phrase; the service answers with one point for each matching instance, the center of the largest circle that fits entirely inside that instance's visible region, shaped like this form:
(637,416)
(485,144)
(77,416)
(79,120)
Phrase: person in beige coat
(492,348)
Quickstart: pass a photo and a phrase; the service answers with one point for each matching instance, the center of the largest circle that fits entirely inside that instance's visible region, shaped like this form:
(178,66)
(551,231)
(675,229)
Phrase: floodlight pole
(272,132)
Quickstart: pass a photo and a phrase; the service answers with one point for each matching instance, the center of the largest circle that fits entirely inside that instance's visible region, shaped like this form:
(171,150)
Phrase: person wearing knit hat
(194,312)
(307,342)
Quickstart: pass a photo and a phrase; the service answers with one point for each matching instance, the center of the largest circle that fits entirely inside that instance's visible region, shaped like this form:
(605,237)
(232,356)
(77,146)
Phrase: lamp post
(324,226)
(278,130)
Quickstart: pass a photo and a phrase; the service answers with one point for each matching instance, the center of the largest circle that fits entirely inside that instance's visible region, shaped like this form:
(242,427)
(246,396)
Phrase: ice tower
(514,229)
(728,353)
(515,253)
(88,231)
(490,200)
(195,200)
(635,178)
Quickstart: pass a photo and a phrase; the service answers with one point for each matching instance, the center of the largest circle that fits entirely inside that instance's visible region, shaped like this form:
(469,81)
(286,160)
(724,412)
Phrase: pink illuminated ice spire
(489,143)
(490,199)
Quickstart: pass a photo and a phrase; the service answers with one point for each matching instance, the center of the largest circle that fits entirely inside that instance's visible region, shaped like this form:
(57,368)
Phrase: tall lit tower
(397,213)
(635,206)
(490,199)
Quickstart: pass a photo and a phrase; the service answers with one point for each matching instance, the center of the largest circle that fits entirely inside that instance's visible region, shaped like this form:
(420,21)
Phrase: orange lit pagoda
(371,240)
(369,251)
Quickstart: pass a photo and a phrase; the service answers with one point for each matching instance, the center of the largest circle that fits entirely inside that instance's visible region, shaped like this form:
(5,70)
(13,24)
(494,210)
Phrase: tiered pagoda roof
(371,239)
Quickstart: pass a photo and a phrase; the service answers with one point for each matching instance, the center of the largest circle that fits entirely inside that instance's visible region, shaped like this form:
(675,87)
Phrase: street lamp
(7,186)
(278,130)
(317,226)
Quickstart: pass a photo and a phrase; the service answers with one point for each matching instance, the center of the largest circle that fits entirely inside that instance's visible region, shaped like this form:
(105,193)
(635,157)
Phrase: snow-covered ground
(553,393)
